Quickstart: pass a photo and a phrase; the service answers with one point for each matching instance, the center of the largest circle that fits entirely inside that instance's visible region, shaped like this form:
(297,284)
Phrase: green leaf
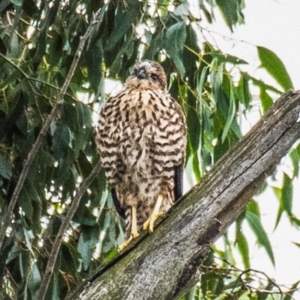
(262,85)
(175,39)
(253,207)
(155,46)
(262,237)
(294,288)
(200,84)
(216,79)
(25,203)
(295,160)
(127,48)
(295,221)
(85,251)
(61,140)
(231,114)
(243,247)
(227,58)
(94,65)
(243,90)
(298,149)
(196,169)
(265,99)
(17,2)
(73,253)
(4,4)
(193,125)
(124,22)
(191,51)
(28,238)
(220,286)
(220,149)
(56,49)
(208,14)
(5,169)
(287,194)
(278,192)
(272,63)
(229,11)
(34,278)
(296,244)
(29,7)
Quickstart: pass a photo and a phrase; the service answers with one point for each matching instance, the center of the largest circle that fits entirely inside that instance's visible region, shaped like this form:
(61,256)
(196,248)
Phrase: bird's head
(147,75)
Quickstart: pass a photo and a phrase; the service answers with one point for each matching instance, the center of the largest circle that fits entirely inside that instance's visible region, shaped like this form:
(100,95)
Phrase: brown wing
(117,203)
(178,182)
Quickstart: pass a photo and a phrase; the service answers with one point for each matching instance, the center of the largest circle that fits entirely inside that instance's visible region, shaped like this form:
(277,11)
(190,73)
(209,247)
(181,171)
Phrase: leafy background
(38,43)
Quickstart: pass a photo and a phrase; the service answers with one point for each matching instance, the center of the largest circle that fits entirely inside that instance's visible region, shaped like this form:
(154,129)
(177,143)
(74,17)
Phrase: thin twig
(32,80)
(60,100)
(63,228)
(15,66)
(235,269)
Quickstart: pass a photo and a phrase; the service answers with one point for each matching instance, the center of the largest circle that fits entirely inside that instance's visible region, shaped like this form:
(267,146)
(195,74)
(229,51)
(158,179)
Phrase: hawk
(141,137)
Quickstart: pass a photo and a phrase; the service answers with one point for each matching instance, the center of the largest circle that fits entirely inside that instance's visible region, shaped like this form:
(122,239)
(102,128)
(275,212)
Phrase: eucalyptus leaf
(229,11)
(124,22)
(287,194)
(175,38)
(231,114)
(5,169)
(261,235)
(266,99)
(243,247)
(61,140)
(273,64)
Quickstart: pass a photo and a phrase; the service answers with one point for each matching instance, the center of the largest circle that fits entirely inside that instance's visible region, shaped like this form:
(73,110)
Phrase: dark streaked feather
(178,182)
(116,201)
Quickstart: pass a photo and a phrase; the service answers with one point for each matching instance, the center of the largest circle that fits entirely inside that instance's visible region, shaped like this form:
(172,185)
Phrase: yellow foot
(149,224)
(127,242)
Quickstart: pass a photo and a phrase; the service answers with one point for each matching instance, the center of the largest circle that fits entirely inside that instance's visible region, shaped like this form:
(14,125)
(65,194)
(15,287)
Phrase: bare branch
(252,274)
(165,265)
(62,230)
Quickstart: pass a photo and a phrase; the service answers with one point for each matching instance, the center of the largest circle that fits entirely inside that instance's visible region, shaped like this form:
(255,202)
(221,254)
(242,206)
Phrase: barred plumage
(142,139)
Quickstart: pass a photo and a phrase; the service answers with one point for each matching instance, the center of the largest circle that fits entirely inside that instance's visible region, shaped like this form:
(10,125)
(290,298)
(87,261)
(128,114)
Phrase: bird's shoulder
(135,97)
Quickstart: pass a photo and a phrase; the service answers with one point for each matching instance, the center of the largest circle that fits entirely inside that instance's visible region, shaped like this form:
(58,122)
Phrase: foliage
(38,43)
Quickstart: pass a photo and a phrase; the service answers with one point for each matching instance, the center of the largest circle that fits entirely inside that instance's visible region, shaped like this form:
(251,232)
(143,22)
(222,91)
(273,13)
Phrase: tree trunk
(165,265)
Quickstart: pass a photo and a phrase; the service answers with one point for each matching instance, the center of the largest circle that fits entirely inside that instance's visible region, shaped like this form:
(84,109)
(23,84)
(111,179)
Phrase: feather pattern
(142,138)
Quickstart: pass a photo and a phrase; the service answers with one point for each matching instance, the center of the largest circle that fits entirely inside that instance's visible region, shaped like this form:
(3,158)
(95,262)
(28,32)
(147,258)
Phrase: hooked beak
(141,74)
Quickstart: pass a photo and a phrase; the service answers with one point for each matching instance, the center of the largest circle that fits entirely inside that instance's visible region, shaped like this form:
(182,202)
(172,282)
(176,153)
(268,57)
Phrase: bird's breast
(147,133)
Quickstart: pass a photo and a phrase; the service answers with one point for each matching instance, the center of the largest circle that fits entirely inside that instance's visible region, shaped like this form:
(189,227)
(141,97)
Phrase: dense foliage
(38,43)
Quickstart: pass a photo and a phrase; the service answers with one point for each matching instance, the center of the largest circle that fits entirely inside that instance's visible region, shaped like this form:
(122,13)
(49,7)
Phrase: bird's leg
(134,231)
(149,224)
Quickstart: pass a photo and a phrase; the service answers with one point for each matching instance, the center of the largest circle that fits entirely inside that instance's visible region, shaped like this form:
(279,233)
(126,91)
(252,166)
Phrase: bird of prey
(141,137)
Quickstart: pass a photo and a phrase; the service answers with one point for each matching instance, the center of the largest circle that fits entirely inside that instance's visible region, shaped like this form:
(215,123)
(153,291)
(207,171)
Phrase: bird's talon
(125,244)
(149,224)
(135,235)
(146,224)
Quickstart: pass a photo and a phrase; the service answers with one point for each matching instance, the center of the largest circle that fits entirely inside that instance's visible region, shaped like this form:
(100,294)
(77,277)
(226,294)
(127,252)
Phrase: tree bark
(165,265)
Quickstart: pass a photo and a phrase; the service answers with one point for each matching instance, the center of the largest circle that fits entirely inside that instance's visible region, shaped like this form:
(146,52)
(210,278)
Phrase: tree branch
(62,230)
(164,265)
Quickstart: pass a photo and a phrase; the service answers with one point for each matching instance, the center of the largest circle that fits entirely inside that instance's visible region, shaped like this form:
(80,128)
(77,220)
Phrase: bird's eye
(134,71)
(154,77)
